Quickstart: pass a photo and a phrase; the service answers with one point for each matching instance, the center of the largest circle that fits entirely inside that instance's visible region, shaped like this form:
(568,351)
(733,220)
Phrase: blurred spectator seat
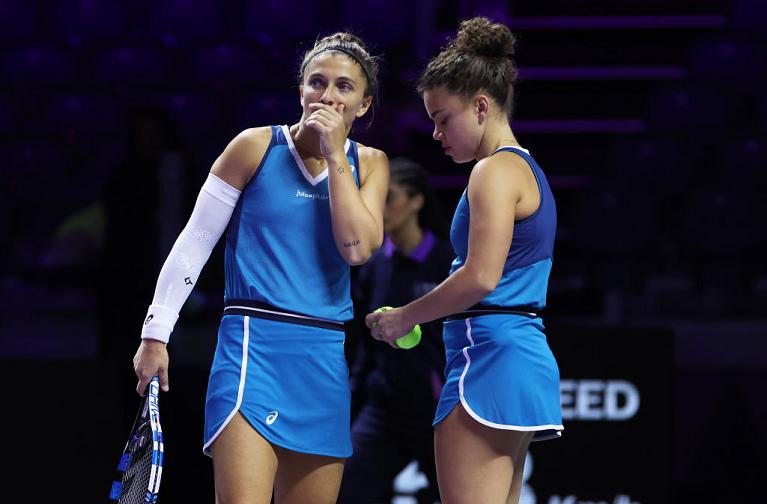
(9,116)
(614,222)
(701,113)
(732,65)
(18,20)
(725,223)
(270,20)
(660,165)
(195,115)
(228,65)
(614,233)
(748,17)
(378,22)
(127,65)
(90,20)
(724,241)
(44,180)
(260,110)
(45,65)
(84,116)
(743,163)
(183,21)
(106,156)
(34,166)
(205,153)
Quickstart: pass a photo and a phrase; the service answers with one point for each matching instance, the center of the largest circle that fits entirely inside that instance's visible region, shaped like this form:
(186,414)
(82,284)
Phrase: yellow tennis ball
(409,340)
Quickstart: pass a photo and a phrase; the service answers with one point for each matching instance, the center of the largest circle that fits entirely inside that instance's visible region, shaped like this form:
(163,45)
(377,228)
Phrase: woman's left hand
(329,124)
(388,325)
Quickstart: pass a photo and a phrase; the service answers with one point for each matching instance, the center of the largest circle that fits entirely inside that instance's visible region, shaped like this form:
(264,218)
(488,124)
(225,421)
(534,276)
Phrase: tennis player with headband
(502,381)
(300,204)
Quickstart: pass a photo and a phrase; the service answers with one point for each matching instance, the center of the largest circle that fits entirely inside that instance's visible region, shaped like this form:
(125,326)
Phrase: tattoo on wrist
(341,169)
(352,243)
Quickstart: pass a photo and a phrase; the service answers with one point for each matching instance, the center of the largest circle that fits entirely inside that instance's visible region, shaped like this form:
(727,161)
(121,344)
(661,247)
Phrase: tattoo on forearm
(352,243)
(341,169)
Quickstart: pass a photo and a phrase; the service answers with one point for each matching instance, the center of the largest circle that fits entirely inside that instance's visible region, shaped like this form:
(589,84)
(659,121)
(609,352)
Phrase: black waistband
(480,309)
(266,311)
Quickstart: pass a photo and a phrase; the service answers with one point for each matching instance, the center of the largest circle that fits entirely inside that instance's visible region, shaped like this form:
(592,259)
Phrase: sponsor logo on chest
(311,195)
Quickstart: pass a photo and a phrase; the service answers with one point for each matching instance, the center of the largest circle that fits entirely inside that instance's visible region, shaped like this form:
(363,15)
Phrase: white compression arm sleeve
(179,273)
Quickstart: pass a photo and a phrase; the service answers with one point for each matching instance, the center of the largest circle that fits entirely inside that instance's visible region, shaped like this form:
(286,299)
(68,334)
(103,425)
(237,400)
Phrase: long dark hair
(415,180)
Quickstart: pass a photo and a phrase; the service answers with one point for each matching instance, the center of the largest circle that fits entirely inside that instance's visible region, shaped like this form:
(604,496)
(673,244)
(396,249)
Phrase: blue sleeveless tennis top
(279,247)
(526,273)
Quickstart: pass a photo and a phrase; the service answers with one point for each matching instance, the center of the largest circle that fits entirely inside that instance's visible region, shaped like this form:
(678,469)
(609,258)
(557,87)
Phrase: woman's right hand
(151,359)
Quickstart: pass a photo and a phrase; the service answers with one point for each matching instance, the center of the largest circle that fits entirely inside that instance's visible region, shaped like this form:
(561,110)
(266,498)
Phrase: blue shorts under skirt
(289,381)
(501,370)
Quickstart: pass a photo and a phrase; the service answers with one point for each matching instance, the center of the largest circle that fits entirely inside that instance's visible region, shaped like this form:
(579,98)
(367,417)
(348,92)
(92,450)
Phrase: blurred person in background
(143,204)
(395,393)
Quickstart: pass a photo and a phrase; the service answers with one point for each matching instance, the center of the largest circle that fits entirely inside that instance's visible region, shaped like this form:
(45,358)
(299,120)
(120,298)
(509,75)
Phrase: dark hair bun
(485,38)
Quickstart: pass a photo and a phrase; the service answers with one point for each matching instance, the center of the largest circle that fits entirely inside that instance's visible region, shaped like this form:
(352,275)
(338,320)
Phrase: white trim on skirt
(475,416)
(240,387)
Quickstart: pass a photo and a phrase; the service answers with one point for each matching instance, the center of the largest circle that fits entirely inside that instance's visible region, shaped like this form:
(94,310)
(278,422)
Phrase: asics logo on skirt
(272,417)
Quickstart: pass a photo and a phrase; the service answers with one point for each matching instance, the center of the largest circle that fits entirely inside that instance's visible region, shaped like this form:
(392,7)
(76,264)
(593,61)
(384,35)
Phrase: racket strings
(136,477)
(140,466)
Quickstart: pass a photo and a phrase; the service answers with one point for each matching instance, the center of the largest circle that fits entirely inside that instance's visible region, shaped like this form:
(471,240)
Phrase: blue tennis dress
(498,363)
(279,359)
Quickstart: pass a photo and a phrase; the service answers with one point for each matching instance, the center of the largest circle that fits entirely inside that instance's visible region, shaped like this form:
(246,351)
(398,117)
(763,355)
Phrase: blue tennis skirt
(289,381)
(501,369)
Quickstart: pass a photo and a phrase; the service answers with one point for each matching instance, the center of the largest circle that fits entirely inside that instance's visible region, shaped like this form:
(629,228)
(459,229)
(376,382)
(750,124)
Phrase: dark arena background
(648,116)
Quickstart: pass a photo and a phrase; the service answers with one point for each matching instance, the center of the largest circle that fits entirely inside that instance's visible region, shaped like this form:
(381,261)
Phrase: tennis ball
(409,340)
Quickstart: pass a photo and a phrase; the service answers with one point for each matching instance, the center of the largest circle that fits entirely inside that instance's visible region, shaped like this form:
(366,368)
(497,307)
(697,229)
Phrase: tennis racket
(140,466)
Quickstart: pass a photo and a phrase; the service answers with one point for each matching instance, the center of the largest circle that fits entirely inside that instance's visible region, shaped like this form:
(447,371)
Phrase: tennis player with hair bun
(502,381)
(300,204)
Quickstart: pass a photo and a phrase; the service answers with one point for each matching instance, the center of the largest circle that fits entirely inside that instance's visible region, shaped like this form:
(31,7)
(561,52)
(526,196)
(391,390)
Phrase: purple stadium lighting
(580,125)
(617,22)
(603,73)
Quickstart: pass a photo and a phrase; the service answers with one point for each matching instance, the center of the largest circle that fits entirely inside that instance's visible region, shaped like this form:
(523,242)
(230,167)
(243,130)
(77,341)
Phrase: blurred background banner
(617,406)
(649,118)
